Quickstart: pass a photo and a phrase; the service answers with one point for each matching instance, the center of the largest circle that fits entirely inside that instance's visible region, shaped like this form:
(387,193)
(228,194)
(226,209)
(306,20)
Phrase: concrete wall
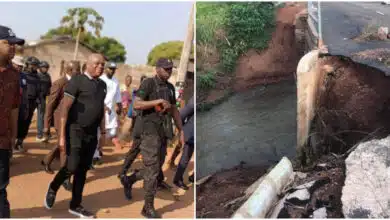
(55,52)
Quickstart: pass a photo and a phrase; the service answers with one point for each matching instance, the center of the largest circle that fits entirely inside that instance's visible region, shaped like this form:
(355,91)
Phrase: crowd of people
(86,106)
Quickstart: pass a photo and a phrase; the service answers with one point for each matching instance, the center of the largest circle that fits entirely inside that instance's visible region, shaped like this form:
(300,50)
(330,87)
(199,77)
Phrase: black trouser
(131,156)
(4,180)
(133,153)
(25,121)
(151,146)
(184,160)
(40,116)
(80,153)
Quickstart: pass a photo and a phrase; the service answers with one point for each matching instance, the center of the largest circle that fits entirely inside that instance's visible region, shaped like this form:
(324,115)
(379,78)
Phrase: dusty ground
(103,193)
(223,187)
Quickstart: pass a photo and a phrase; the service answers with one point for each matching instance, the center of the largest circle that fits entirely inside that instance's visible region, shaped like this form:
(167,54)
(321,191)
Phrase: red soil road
(103,193)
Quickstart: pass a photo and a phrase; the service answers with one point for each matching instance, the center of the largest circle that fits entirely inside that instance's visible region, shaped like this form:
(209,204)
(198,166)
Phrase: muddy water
(257,127)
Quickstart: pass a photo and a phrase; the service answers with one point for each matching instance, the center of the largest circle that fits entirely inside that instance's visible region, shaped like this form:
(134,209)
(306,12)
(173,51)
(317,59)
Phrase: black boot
(127,182)
(180,184)
(46,167)
(148,210)
(67,185)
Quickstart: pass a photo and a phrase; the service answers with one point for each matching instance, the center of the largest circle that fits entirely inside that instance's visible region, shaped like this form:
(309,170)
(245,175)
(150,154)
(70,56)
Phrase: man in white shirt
(113,105)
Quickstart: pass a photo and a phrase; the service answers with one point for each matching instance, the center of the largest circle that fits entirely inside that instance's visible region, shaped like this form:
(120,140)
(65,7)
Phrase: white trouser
(111,132)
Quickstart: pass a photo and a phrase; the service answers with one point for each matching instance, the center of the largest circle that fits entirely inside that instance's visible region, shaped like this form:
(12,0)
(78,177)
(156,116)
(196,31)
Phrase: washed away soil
(224,186)
(353,105)
(278,62)
(214,197)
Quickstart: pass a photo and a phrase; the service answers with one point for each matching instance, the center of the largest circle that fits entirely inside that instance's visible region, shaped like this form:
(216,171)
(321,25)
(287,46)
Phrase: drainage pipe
(261,201)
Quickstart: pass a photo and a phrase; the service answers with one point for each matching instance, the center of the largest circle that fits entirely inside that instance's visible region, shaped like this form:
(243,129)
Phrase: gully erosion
(257,124)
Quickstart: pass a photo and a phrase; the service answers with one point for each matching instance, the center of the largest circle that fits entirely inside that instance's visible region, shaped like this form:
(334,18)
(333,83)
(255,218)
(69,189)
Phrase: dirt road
(103,193)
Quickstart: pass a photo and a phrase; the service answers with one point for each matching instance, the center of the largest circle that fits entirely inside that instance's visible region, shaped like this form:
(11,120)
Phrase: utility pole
(185,57)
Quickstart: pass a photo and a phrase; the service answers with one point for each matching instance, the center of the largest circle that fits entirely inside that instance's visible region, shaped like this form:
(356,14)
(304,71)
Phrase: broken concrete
(367,184)
(299,197)
(319,213)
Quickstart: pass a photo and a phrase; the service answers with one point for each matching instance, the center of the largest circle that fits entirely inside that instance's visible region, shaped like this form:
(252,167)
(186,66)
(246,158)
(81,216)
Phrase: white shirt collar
(68,77)
(89,76)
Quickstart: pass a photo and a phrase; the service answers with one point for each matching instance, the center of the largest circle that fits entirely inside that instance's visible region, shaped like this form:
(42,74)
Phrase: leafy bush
(234,27)
(205,81)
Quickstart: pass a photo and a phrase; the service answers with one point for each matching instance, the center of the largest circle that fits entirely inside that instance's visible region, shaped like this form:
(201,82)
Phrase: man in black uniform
(32,93)
(45,84)
(82,114)
(156,105)
(132,155)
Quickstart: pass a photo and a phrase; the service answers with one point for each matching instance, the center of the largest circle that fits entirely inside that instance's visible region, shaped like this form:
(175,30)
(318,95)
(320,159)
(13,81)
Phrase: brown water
(257,127)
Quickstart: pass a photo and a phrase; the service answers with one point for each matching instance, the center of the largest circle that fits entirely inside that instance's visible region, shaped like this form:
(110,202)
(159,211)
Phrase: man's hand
(166,105)
(108,110)
(182,139)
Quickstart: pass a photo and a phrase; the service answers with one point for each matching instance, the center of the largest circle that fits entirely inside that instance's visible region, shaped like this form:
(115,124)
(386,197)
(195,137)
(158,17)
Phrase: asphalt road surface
(343,21)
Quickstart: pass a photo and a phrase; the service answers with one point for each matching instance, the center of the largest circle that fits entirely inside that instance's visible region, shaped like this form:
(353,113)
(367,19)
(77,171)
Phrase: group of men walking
(84,106)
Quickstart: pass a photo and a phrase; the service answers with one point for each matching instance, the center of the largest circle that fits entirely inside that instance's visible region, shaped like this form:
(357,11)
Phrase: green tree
(77,18)
(170,49)
(108,46)
(73,24)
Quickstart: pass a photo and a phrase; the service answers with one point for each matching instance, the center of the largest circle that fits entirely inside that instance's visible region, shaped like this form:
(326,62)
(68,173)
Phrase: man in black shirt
(45,84)
(157,105)
(82,114)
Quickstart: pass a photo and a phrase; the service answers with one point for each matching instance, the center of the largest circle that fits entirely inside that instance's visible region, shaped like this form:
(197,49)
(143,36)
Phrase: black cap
(32,61)
(44,64)
(7,34)
(164,63)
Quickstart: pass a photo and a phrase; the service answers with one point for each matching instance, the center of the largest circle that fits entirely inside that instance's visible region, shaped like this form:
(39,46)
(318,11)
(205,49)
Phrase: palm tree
(77,18)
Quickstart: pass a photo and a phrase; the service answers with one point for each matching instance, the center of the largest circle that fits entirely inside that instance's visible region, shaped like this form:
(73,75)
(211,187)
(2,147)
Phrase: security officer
(156,103)
(45,85)
(32,93)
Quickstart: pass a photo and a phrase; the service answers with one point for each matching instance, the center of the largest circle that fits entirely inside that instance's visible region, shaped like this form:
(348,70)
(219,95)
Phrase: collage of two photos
(194,110)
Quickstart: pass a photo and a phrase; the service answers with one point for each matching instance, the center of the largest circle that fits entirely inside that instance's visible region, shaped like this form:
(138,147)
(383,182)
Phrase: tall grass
(231,28)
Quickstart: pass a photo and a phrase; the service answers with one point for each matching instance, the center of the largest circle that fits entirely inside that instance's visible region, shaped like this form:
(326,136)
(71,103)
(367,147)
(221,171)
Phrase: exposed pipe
(261,201)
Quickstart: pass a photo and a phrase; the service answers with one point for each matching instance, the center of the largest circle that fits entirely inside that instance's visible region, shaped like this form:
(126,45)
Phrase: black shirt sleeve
(145,89)
(173,94)
(72,88)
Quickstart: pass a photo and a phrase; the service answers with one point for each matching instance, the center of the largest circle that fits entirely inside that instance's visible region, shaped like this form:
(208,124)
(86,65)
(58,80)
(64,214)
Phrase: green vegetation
(225,30)
(205,81)
(170,49)
(75,24)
